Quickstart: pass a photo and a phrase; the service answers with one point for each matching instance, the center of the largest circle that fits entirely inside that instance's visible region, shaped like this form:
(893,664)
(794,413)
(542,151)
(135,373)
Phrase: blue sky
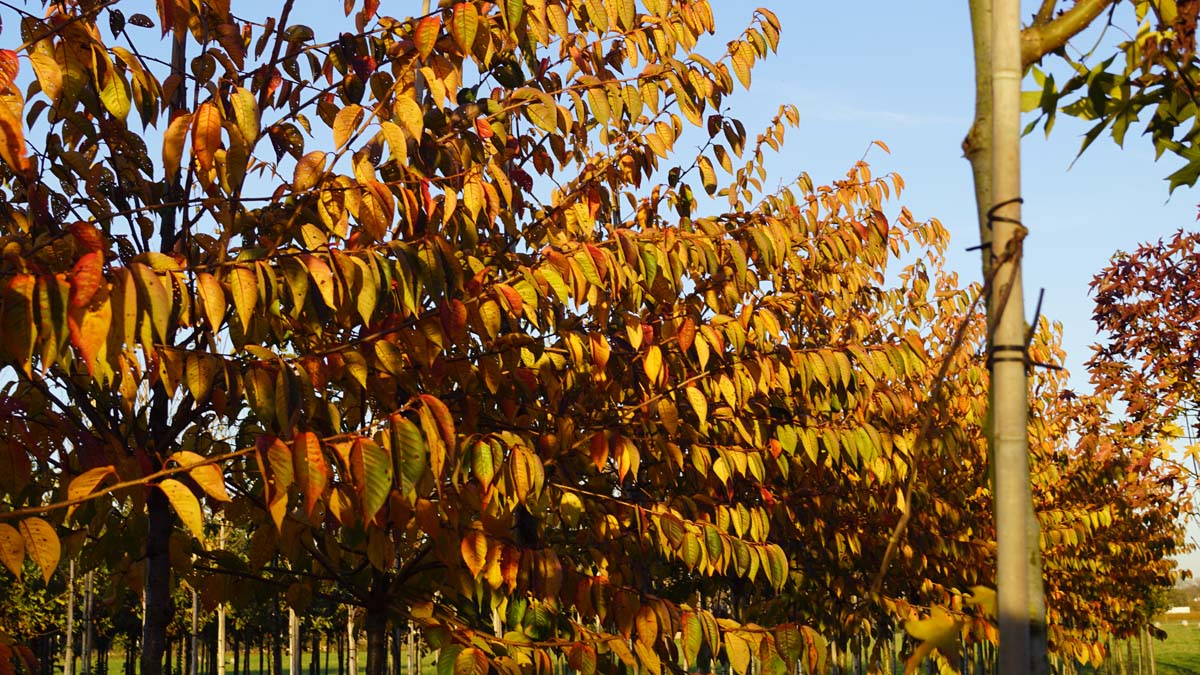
(902,73)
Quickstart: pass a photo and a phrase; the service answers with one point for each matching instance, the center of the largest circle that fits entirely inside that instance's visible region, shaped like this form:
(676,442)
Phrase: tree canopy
(487,319)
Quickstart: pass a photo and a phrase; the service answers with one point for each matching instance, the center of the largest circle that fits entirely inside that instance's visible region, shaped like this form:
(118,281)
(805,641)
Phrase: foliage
(431,311)
(1149,80)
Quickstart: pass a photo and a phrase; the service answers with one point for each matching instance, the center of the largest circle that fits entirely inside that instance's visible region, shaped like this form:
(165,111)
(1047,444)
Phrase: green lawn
(1179,654)
(116,664)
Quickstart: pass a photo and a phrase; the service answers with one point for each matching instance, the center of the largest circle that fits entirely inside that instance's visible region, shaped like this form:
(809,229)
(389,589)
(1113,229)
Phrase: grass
(116,664)
(1179,654)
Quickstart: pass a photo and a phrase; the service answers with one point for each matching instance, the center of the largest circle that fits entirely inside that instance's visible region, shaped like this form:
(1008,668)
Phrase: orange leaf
(441,414)
(9,67)
(312,471)
(41,543)
(427,34)
(599,450)
(206,134)
(12,140)
(173,139)
(474,551)
(89,327)
(687,334)
(86,278)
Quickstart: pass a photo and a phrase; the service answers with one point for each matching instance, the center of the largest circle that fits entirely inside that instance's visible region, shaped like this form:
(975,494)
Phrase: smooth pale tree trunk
(351,643)
(1007,347)
(1008,372)
(293,643)
(69,665)
(89,632)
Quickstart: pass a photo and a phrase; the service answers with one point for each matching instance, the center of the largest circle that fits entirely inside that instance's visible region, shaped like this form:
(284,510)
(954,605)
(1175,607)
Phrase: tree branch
(1041,39)
(1045,13)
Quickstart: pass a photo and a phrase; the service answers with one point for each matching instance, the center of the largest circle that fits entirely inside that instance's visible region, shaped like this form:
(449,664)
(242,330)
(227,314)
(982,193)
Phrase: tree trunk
(69,663)
(294,650)
(992,147)
(88,631)
(221,641)
(158,579)
(193,661)
(351,642)
(314,661)
(376,626)
(277,645)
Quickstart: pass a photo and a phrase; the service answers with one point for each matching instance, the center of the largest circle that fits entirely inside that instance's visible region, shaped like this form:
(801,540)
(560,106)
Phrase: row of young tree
(464,346)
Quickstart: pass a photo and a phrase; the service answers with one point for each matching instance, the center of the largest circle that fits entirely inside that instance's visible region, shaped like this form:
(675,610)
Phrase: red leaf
(86,278)
(9,67)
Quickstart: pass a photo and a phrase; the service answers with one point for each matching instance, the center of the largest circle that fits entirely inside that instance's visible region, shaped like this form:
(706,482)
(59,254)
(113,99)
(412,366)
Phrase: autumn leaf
(12,549)
(207,475)
(41,544)
(206,135)
(85,484)
(474,551)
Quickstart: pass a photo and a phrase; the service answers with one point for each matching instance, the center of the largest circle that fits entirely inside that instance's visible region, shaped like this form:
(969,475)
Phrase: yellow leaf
(654,363)
(212,300)
(309,170)
(346,123)
(207,476)
(699,404)
(41,543)
(85,483)
(410,116)
(243,286)
(322,276)
(185,504)
(245,111)
(738,651)
(12,549)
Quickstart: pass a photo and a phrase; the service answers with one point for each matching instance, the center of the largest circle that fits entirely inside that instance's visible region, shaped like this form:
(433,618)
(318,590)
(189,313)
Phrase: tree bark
(69,664)
(376,627)
(294,650)
(351,643)
(158,578)
(1006,347)
(980,149)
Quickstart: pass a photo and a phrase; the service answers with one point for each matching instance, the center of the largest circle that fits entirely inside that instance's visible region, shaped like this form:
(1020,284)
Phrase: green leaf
(693,637)
(464,25)
(409,454)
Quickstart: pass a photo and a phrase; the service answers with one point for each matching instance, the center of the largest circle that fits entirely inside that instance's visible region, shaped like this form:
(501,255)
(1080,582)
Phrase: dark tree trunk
(341,653)
(158,583)
(314,661)
(376,627)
